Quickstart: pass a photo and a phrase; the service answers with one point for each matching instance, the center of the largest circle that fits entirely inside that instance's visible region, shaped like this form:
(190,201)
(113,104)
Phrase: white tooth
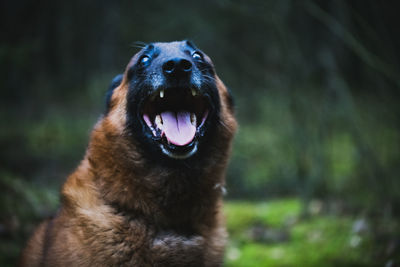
(193,119)
(194,93)
(158,122)
(161,93)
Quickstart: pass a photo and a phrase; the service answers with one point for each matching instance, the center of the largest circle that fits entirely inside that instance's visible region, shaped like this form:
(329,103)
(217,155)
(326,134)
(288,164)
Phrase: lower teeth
(158,122)
(193,119)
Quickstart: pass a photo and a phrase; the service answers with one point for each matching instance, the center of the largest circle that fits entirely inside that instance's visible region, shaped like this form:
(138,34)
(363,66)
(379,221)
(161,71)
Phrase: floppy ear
(114,84)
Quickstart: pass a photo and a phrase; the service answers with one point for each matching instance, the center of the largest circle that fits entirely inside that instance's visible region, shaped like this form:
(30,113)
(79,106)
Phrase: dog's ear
(114,84)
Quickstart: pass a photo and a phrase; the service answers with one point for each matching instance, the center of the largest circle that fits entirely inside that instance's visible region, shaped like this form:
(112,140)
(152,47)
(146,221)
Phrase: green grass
(320,240)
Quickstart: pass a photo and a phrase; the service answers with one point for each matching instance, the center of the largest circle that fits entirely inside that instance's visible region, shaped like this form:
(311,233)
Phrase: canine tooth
(161,93)
(194,93)
(193,119)
(158,121)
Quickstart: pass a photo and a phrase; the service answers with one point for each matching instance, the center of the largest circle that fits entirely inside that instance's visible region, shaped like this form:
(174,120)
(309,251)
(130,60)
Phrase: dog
(149,189)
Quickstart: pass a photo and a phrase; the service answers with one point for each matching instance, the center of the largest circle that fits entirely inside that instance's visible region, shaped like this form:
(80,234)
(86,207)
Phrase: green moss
(318,241)
(273,213)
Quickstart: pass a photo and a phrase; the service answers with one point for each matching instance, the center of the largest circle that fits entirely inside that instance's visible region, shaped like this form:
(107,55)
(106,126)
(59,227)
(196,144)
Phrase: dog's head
(171,103)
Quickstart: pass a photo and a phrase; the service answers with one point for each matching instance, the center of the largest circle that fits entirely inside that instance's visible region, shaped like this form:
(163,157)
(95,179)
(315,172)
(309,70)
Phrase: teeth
(158,122)
(193,119)
(194,93)
(162,93)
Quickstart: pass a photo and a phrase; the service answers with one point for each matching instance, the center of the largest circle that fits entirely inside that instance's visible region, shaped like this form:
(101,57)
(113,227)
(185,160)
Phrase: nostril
(177,66)
(169,66)
(186,65)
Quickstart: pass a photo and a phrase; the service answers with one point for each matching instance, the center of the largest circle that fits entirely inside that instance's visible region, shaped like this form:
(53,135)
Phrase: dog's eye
(197,56)
(144,60)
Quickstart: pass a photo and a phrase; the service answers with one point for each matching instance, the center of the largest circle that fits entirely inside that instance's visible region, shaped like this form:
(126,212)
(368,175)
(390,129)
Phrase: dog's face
(173,103)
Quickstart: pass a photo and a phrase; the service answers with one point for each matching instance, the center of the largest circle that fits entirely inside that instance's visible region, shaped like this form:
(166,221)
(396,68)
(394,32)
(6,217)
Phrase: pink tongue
(178,128)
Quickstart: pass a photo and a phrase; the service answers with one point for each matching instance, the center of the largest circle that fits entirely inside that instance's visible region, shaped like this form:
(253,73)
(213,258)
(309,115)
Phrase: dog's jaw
(179,156)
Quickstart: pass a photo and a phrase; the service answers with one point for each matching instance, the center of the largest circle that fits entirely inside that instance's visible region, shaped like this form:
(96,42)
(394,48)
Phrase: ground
(274,233)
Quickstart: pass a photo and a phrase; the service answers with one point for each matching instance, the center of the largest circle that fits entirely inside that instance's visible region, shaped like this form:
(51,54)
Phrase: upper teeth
(194,92)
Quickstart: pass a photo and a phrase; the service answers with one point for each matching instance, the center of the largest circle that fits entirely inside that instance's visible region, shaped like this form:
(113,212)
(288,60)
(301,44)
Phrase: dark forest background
(316,85)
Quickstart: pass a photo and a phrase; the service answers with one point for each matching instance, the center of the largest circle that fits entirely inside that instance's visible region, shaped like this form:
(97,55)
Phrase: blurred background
(314,177)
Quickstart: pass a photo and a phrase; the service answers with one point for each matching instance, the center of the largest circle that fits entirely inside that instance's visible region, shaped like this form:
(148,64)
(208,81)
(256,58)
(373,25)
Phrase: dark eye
(197,56)
(144,60)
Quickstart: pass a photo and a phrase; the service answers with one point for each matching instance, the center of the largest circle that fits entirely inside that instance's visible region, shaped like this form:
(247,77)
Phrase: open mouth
(176,119)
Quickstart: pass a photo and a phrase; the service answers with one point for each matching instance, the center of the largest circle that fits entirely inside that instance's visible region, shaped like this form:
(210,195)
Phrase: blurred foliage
(274,233)
(316,85)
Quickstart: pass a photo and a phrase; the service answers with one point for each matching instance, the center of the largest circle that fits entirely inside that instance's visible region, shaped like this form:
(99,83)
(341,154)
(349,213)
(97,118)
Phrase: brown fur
(113,214)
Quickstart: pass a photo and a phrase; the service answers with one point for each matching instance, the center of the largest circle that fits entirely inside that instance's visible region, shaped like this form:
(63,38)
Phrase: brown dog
(148,191)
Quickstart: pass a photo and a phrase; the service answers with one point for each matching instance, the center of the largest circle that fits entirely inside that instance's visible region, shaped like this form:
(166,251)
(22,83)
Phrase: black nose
(177,66)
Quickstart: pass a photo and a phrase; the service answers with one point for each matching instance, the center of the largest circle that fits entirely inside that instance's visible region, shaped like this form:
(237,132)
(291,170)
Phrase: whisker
(139,44)
(210,78)
(223,124)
